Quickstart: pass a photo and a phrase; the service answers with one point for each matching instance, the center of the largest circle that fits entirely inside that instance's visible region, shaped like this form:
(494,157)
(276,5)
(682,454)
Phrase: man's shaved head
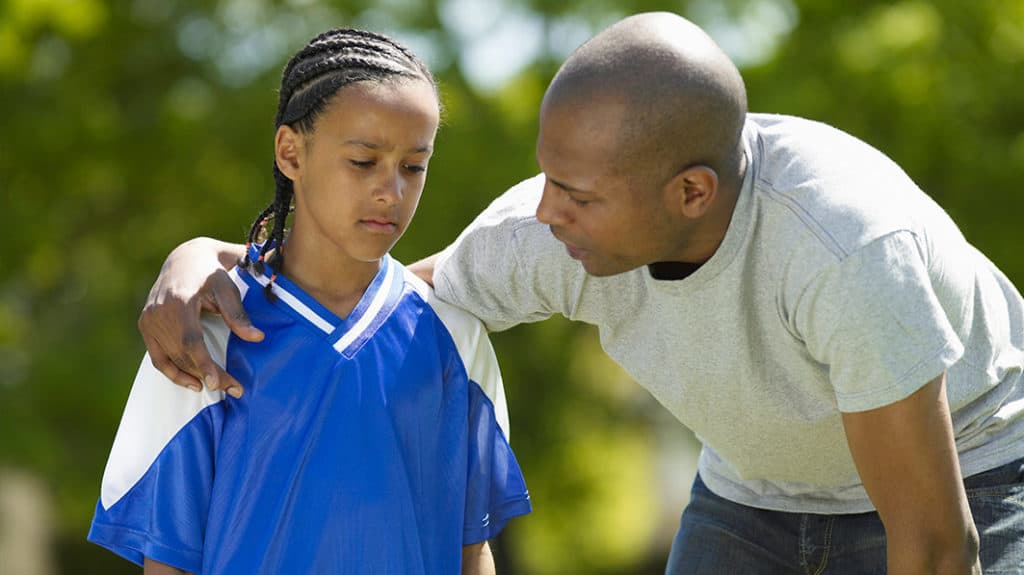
(671,94)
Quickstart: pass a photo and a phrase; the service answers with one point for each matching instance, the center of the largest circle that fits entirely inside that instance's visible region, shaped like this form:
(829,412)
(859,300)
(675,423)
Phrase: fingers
(164,365)
(178,350)
(225,300)
(196,366)
(229,384)
(195,359)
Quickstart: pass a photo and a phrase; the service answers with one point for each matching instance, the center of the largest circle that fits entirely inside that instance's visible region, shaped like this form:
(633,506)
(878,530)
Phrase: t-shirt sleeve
(158,481)
(506,268)
(875,321)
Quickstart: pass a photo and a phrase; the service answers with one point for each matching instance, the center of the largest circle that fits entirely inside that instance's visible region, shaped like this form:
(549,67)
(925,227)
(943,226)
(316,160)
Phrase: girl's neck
(331,277)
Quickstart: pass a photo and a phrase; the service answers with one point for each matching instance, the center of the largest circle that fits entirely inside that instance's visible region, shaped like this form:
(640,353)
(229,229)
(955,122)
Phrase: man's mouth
(575,252)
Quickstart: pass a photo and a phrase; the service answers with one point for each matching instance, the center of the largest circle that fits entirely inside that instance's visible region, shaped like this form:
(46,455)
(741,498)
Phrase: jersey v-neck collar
(346,335)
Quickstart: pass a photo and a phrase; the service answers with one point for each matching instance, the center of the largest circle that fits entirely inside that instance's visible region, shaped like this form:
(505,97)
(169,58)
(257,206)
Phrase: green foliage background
(130,125)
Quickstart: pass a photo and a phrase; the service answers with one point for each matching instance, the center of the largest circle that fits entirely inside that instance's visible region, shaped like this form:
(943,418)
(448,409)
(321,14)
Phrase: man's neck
(672,270)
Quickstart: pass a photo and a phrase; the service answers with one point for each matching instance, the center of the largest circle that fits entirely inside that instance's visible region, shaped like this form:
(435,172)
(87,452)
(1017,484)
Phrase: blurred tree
(133,124)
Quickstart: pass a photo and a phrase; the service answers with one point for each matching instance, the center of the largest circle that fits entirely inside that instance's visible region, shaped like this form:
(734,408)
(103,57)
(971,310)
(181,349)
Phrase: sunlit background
(130,125)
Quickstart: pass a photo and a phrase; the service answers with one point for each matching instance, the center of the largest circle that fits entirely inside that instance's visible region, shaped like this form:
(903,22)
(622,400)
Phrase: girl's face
(359,175)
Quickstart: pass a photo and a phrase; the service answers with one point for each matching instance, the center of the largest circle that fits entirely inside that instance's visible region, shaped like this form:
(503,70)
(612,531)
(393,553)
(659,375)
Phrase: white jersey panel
(156,411)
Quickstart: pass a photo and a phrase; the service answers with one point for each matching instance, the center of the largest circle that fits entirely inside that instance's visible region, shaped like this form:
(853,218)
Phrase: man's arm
(192,279)
(425,269)
(906,456)
(151,567)
(477,559)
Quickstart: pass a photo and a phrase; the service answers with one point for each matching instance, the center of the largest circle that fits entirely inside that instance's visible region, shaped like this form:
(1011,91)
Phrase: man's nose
(551,210)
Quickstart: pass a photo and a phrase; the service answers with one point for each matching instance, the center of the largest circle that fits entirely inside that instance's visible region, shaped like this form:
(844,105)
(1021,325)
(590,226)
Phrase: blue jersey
(376,443)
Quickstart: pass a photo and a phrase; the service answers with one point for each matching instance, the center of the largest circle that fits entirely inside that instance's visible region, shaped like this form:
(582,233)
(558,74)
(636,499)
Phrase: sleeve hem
(498,519)
(912,381)
(136,546)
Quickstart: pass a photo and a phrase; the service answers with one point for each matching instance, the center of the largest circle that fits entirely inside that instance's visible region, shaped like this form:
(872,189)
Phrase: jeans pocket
(996,499)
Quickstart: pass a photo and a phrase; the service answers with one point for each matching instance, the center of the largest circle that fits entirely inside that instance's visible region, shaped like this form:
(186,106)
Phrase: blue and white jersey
(371,444)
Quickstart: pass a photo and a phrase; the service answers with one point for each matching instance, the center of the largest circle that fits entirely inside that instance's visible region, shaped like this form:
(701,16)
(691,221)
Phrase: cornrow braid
(329,62)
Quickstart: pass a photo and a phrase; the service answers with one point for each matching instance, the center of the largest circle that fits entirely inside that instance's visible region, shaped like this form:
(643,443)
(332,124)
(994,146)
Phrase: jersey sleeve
(156,487)
(495,488)
(507,268)
(875,321)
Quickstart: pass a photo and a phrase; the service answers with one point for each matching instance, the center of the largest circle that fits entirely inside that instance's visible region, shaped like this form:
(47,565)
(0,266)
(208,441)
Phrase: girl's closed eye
(415,168)
(362,163)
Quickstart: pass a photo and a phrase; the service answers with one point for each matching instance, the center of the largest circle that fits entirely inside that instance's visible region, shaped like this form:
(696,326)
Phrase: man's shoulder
(831,185)
(792,139)
(516,206)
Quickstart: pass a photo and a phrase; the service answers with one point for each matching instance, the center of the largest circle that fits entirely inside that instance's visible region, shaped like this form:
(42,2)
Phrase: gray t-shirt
(839,286)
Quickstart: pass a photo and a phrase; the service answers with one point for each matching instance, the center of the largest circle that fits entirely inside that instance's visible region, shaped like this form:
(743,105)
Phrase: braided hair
(312,77)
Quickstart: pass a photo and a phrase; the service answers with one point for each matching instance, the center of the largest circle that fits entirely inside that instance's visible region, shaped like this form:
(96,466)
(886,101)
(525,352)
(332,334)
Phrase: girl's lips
(379,226)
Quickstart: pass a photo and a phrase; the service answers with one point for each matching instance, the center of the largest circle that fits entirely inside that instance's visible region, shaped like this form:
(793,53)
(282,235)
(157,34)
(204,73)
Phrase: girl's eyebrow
(363,143)
(374,146)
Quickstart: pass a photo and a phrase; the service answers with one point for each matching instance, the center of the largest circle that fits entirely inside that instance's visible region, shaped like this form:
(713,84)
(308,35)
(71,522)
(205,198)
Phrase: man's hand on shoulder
(193,279)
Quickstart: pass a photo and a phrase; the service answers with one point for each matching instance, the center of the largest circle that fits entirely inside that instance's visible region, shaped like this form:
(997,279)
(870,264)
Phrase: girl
(373,434)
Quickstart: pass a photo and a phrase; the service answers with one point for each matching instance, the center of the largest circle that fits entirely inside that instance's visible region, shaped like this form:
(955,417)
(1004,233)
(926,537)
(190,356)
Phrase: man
(851,365)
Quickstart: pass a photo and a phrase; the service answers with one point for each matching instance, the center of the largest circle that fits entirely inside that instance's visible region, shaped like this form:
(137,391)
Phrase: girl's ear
(288,152)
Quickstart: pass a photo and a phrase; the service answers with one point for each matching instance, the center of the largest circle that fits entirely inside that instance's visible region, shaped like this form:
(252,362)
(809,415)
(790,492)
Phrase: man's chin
(601,271)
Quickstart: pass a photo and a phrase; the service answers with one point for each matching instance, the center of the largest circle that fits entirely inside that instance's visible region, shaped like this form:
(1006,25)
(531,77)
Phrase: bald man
(851,364)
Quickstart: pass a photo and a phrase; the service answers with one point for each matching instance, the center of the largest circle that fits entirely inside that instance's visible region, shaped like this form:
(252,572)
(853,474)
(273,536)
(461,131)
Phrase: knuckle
(183,361)
(192,339)
(162,363)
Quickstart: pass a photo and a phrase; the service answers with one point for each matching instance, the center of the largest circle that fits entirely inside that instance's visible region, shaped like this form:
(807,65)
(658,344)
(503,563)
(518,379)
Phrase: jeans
(719,537)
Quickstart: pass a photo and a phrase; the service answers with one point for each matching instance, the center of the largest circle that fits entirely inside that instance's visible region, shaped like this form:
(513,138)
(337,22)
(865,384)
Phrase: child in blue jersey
(373,434)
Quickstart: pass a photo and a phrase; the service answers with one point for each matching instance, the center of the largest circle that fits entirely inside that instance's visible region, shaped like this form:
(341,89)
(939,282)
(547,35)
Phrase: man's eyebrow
(567,187)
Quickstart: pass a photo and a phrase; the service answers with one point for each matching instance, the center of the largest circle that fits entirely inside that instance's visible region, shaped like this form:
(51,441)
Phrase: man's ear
(693,191)
(288,145)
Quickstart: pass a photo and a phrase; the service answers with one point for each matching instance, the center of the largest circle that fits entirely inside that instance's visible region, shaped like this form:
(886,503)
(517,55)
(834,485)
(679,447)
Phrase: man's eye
(580,203)
(361,163)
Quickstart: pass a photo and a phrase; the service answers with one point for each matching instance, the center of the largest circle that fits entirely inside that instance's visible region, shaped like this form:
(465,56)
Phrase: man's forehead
(599,116)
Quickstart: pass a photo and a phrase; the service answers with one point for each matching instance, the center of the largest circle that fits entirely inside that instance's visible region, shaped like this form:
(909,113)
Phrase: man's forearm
(202,248)
(229,254)
(933,553)
(906,457)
